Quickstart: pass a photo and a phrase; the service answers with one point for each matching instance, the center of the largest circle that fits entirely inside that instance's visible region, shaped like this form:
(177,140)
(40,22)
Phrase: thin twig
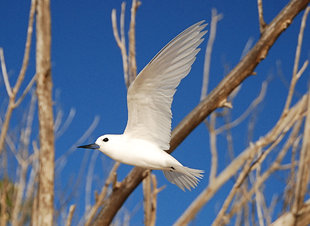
(70,215)
(296,62)
(20,78)
(304,166)
(215,18)
(26,90)
(155,192)
(5,74)
(102,195)
(252,106)
(213,149)
(121,40)
(132,42)
(146,185)
(262,24)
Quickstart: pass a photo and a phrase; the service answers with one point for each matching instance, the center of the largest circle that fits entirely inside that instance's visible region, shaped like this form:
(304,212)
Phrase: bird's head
(103,143)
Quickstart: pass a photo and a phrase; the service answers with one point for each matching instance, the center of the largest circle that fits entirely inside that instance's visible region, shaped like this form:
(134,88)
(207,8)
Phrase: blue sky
(88,77)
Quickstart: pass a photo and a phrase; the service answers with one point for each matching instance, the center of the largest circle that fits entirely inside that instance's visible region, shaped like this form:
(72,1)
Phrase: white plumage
(149,98)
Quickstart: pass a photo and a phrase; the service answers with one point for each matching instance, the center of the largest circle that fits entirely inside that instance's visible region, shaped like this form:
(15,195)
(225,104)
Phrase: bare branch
(303,168)
(20,99)
(121,40)
(132,42)
(213,149)
(296,62)
(20,78)
(262,24)
(147,199)
(70,215)
(5,74)
(102,195)
(254,104)
(215,18)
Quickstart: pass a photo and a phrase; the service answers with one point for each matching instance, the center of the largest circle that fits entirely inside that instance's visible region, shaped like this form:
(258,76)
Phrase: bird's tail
(183,177)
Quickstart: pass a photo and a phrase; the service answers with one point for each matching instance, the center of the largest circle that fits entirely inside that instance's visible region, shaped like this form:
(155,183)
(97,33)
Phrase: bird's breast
(142,153)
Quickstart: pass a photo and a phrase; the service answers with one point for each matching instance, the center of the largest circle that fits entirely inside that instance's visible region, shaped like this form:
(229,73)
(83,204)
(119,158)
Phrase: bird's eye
(105,140)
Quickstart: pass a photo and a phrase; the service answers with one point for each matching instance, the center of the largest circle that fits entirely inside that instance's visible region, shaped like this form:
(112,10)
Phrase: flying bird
(149,97)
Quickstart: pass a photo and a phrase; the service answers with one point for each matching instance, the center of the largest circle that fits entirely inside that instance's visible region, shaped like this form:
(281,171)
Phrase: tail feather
(183,177)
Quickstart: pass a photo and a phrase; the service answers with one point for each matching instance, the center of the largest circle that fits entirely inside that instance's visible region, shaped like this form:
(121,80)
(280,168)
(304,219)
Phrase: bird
(149,97)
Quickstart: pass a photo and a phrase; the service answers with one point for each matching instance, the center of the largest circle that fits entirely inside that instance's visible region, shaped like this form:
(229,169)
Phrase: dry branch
(303,167)
(207,63)
(13,92)
(262,23)
(70,215)
(243,70)
(132,42)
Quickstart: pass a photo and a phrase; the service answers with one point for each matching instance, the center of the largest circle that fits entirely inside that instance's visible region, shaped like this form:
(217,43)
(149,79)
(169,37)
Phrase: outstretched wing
(150,95)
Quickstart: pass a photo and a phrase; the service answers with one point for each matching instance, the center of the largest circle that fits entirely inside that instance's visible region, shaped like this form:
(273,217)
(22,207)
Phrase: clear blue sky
(88,76)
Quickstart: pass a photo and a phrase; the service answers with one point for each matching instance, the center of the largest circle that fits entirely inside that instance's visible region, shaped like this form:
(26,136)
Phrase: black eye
(105,140)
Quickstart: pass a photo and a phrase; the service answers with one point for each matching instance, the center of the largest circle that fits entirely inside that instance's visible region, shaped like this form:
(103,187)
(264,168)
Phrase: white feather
(150,96)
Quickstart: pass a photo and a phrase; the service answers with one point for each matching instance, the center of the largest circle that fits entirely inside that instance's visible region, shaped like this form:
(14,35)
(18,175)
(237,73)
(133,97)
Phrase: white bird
(148,131)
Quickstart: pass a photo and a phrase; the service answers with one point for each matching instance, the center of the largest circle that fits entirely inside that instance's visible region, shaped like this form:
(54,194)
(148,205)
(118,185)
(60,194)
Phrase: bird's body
(146,154)
(148,131)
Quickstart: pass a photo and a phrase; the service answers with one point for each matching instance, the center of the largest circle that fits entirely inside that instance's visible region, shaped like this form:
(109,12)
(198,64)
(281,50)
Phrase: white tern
(149,97)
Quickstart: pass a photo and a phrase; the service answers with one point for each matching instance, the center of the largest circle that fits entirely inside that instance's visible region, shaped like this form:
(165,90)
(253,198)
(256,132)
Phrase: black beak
(90,146)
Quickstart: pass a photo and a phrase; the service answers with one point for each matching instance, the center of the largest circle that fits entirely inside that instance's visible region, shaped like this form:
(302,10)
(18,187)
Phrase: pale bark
(45,204)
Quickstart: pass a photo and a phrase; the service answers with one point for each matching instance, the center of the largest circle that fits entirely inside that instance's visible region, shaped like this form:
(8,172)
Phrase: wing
(150,95)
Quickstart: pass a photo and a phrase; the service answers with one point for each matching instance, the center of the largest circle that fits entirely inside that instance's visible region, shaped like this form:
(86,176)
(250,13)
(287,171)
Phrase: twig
(252,106)
(215,18)
(290,187)
(121,40)
(20,78)
(304,165)
(66,124)
(155,192)
(5,74)
(262,24)
(241,178)
(132,42)
(102,195)
(146,185)
(89,180)
(62,159)
(296,62)
(213,149)
(70,215)
(26,90)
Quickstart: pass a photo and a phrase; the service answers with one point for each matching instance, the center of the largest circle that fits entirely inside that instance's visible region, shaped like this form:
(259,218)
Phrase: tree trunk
(45,205)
